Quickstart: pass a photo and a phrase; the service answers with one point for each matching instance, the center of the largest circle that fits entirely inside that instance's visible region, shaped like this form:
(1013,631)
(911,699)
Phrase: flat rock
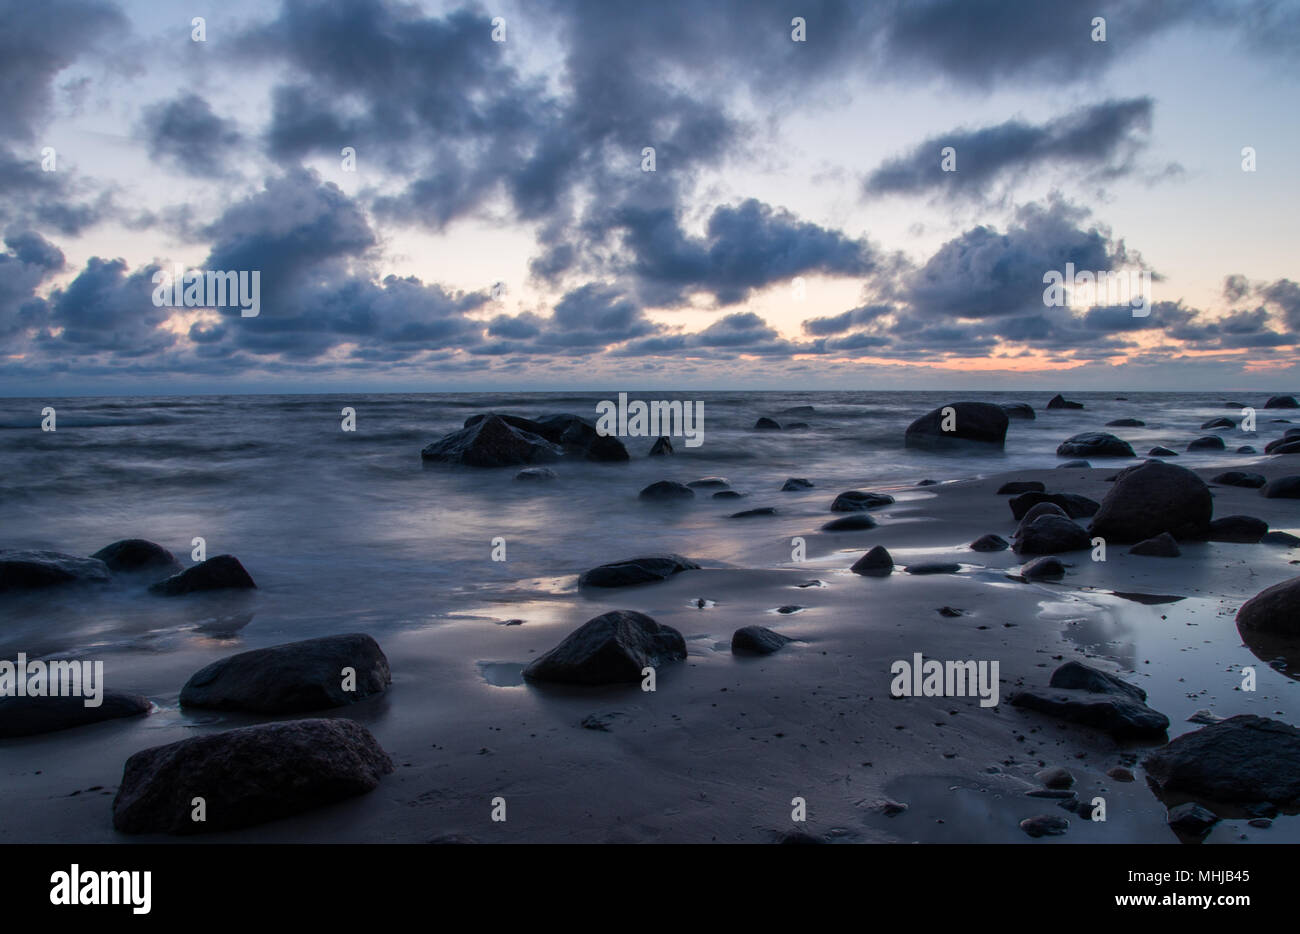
(1280,538)
(612,648)
(224,572)
(643,570)
(754,513)
(28,716)
(850,523)
(934,567)
(1163,545)
(1240,478)
(1242,760)
(1094,444)
(857,500)
(1083,694)
(1151,498)
(132,555)
(30,570)
(757,640)
(1055,777)
(877,562)
(291,678)
(1246,529)
(247,776)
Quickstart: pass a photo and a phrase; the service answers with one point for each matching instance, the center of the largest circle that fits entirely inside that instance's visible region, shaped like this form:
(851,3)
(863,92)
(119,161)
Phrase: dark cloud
(845,321)
(185,132)
(106,310)
(1102,138)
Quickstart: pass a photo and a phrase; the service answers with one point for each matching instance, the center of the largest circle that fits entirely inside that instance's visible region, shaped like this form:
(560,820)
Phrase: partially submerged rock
(224,572)
(292,678)
(643,570)
(1159,451)
(1240,478)
(28,716)
(537,474)
(1048,567)
(1018,410)
(1094,444)
(247,776)
(767,424)
(1207,443)
(981,423)
(1282,402)
(796,483)
(934,567)
(662,446)
(1275,609)
(663,490)
(851,523)
(612,648)
(857,500)
(133,555)
(1191,820)
(1060,402)
(492,441)
(1244,759)
(30,570)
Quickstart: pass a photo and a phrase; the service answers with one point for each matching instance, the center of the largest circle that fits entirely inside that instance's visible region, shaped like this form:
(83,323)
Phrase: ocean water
(350,530)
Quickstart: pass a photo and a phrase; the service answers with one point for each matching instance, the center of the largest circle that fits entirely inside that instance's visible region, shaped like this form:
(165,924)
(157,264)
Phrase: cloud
(187,133)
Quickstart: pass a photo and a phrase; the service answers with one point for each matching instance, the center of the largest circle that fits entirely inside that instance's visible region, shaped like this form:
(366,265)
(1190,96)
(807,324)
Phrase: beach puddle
(502,674)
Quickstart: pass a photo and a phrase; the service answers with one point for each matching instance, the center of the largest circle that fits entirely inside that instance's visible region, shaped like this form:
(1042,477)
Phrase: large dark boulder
(1280,488)
(291,678)
(1284,446)
(767,424)
(972,422)
(132,555)
(27,716)
(224,572)
(1074,505)
(247,776)
(613,648)
(1048,535)
(1282,402)
(492,441)
(643,570)
(1274,610)
(1093,698)
(857,500)
(1060,402)
(29,570)
(1094,444)
(1160,451)
(1018,410)
(577,436)
(1245,529)
(1151,498)
(1242,760)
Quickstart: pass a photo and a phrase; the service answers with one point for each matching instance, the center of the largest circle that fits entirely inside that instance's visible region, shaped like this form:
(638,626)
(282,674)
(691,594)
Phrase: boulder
(1287,446)
(1246,449)
(574,435)
(1074,505)
(853,522)
(1273,610)
(132,555)
(1159,451)
(796,483)
(1015,487)
(972,423)
(1245,529)
(1045,825)
(1126,423)
(1244,759)
(757,640)
(1219,422)
(1049,567)
(28,716)
(491,441)
(877,562)
(247,776)
(1060,402)
(1018,410)
(29,570)
(1207,443)
(1093,698)
(224,572)
(661,447)
(1051,534)
(643,570)
(1282,402)
(1094,444)
(666,490)
(612,648)
(990,542)
(291,678)
(1240,478)
(1280,538)
(767,424)
(1151,498)
(1280,488)
(1163,545)
(537,473)
(857,500)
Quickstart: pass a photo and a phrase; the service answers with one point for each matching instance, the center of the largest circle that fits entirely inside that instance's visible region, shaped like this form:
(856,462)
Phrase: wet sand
(722,747)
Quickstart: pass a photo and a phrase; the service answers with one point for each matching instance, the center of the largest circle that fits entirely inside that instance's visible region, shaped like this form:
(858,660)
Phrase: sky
(712,194)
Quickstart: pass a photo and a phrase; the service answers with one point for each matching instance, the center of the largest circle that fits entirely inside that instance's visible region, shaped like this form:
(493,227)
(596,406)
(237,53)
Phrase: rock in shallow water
(1058,401)
(536,474)
(850,523)
(612,648)
(224,572)
(30,570)
(1275,609)
(28,716)
(1208,443)
(666,490)
(247,776)
(877,562)
(857,500)
(796,483)
(492,442)
(136,554)
(642,570)
(1045,568)
(1191,819)
(757,640)
(1242,760)
(291,678)
(1094,444)
(979,423)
